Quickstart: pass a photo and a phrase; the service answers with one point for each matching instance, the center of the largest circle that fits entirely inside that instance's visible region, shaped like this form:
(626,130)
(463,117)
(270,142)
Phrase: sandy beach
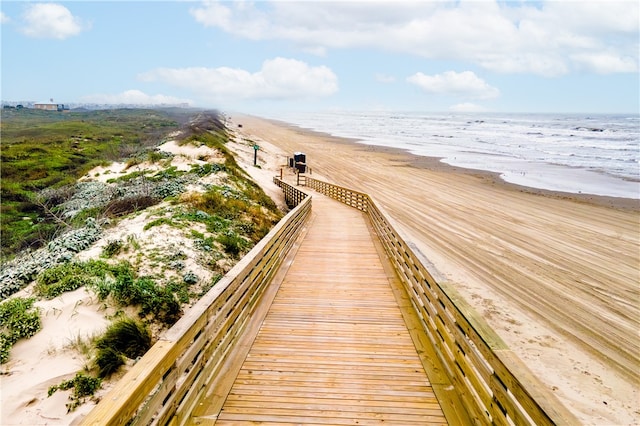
(555,274)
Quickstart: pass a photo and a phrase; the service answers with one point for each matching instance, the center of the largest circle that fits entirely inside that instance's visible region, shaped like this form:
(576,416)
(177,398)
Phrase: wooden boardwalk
(333,347)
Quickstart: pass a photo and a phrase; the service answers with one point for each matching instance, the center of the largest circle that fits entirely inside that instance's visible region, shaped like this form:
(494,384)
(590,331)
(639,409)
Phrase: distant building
(6,106)
(49,106)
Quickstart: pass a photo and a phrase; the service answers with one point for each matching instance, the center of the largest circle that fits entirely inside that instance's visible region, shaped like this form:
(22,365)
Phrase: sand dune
(69,321)
(555,274)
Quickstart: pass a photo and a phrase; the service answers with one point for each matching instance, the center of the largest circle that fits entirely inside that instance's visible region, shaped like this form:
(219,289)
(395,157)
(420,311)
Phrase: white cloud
(384,78)
(279,78)
(593,17)
(3,18)
(134,97)
(605,63)
(467,107)
(50,20)
(512,37)
(465,84)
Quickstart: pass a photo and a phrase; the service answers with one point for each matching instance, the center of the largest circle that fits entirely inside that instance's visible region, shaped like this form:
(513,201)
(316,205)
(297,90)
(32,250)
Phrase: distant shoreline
(563,153)
(489,178)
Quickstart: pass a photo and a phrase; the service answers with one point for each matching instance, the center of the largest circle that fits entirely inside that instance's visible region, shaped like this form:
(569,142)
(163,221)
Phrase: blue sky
(271,56)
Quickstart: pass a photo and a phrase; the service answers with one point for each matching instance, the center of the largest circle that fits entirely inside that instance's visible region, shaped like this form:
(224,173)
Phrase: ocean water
(592,154)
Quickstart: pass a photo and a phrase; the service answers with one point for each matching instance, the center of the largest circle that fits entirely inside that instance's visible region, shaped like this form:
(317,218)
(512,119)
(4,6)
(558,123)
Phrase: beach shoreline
(552,273)
(556,152)
(490,178)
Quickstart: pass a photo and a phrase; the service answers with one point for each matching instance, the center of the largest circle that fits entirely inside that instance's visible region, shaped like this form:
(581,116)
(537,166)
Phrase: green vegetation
(109,361)
(233,243)
(83,386)
(206,169)
(158,222)
(112,248)
(233,215)
(44,155)
(60,279)
(124,338)
(69,276)
(41,149)
(120,282)
(18,319)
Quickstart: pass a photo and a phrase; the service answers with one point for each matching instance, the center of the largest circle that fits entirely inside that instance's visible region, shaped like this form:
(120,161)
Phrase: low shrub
(190,278)
(169,188)
(70,276)
(156,300)
(108,361)
(156,156)
(18,320)
(123,206)
(112,248)
(128,290)
(181,290)
(206,169)
(124,338)
(233,243)
(83,386)
(5,348)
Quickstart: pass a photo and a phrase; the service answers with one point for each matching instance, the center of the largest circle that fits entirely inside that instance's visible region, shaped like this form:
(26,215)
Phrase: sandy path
(556,275)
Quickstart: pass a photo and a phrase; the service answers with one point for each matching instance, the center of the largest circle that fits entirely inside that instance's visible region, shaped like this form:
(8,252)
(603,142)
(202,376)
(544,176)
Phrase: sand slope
(556,275)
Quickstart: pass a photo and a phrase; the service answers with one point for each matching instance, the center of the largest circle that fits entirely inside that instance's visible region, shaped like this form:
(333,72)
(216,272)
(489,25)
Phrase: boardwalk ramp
(334,347)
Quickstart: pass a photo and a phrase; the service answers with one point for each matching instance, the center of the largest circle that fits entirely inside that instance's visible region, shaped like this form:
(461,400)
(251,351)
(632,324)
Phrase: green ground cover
(43,149)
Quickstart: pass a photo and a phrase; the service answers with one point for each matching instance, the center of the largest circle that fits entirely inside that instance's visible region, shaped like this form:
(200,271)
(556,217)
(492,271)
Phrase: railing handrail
(170,377)
(495,385)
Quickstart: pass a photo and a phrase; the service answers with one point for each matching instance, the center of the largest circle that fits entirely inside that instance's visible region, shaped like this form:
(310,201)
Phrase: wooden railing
(292,195)
(166,383)
(351,198)
(493,383)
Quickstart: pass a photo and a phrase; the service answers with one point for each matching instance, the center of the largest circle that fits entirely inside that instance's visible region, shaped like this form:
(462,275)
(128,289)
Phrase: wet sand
(555,274)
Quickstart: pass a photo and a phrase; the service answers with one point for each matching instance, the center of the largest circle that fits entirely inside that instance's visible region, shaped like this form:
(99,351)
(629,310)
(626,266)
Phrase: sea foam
(592,154)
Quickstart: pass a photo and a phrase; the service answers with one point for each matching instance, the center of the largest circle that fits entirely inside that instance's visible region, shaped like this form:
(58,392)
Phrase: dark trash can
(300,157)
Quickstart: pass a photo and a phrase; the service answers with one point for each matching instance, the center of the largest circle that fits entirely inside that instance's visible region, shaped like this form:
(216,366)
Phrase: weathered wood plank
(334,347)
(331,417)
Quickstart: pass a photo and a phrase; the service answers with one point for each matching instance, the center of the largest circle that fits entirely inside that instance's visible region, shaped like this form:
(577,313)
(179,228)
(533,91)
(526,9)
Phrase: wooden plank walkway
(333,348)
